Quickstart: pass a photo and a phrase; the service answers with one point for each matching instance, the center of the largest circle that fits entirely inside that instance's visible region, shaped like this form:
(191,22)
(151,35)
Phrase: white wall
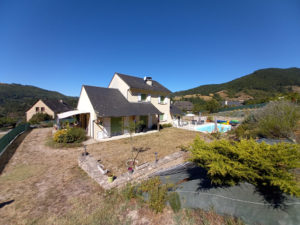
(118,83)
(85,104)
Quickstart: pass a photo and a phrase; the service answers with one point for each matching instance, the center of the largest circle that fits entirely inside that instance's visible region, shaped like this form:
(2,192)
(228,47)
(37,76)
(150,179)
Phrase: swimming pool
(210,127)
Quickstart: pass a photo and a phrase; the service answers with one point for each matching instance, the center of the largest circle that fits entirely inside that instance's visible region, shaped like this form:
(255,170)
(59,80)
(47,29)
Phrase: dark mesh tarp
(252,205)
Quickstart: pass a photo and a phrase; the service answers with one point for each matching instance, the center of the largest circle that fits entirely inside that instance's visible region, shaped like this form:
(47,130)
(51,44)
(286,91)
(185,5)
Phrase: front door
(145,120)
(116,126)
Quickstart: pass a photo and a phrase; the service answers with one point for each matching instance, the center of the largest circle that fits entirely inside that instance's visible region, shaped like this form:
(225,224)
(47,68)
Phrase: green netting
(245,201)
(7,138)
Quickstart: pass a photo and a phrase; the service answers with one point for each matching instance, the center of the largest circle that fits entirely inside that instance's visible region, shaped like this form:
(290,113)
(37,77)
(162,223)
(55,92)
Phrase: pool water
(210,127)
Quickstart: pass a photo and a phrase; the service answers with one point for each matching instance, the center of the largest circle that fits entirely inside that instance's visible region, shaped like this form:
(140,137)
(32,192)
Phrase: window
(37,109)
(143,97)
(162,100)
(43,109)
(161,117)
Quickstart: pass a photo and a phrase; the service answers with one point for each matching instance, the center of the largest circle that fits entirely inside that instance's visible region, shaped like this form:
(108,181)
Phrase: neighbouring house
(50,106)
(232,103)
(106,112)
(185,106)
(175,112)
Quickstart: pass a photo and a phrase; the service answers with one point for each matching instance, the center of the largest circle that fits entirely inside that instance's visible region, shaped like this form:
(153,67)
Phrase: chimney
(148,80)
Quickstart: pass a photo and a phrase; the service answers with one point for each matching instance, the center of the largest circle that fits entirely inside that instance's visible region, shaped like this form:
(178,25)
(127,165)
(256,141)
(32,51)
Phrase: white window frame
(164,102)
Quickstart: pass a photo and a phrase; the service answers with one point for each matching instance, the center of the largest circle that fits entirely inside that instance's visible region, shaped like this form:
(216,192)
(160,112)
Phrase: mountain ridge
(268,81)
(15,99)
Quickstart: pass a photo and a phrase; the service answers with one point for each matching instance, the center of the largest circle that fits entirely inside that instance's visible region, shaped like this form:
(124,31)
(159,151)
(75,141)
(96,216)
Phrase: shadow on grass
(2,204)
(11,149)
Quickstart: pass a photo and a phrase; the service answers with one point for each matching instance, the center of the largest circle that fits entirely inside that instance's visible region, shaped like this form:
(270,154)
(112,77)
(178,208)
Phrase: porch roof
(109,102)
(70,113)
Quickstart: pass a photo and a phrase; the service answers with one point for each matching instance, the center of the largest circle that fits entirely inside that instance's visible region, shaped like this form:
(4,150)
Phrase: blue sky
(60,45)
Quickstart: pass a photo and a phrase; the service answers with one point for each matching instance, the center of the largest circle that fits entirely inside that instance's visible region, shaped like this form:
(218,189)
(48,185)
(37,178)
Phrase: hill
(261,83)
(15,99)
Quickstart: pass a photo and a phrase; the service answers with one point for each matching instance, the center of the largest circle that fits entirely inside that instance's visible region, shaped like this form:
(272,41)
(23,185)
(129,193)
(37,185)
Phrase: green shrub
(174,201)
(39,117)
(157,193)
(260,164)
(166,125)
(7,122)
(131,191)
(70,135)
(276,120)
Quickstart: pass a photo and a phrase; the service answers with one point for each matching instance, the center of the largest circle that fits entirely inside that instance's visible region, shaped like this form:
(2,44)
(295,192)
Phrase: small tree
(132,127)
(213,106)
(257,163)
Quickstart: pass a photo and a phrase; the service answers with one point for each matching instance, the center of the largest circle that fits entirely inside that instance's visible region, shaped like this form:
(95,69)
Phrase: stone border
(144,171)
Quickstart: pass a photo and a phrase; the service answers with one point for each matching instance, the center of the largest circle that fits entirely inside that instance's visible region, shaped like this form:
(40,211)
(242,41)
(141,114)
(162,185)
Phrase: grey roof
(184,105)
(175,110)
(57,106)
(109,102)
(139,83)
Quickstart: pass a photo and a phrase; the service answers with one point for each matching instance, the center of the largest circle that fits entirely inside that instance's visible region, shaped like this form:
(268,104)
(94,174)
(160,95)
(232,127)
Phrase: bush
(59,136)
(156,192)
(7,122)
(260,164)
(70,135)
(174,201)
(276,120)
(166,125)
(39,117)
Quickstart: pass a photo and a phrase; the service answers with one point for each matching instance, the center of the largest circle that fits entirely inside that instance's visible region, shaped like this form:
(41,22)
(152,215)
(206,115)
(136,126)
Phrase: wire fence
(244,107)
(11,135)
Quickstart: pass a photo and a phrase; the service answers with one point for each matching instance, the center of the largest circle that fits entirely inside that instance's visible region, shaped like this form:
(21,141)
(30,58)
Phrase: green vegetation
(15,99)
(166,125)
(6,122)
(40,117)
(229,163)
(259,84)
(276,120)
(156,192)
(70,135)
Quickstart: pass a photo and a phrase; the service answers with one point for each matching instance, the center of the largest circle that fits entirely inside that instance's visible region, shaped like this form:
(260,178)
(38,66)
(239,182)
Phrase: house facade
(49,106)
(107,112)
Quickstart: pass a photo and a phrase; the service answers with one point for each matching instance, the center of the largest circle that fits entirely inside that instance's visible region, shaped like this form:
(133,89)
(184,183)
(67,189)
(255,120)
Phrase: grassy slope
(266,81)
(47,187)
(15,99)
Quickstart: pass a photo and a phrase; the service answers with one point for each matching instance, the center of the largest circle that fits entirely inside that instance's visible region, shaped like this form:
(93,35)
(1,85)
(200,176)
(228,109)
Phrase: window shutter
(149,98)
(139,97)
(165,116)
(158,99)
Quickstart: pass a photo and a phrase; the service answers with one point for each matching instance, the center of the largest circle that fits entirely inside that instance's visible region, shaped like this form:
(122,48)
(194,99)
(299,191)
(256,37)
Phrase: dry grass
(42,185)
(114,154)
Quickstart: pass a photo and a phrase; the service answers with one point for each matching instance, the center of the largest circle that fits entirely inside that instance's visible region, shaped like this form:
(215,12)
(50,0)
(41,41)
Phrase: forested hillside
(15,99)
(261,82)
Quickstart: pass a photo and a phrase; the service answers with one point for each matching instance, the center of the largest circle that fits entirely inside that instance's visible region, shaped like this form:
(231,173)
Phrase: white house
(105,112)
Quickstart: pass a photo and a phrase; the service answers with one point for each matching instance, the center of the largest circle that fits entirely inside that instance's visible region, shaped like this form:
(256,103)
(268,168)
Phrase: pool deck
(192,127)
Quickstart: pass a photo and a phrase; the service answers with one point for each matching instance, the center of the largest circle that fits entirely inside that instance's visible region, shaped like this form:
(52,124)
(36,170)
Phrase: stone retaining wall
(90,166)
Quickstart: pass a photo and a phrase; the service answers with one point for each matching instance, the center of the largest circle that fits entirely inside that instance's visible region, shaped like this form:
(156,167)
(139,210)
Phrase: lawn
(43,185)
(114,154)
